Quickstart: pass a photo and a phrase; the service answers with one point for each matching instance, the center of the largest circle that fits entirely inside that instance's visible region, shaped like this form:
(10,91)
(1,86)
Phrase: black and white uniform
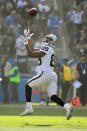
(46,77)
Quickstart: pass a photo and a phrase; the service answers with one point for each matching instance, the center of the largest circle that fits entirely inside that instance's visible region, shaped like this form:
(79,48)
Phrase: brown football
(32,11)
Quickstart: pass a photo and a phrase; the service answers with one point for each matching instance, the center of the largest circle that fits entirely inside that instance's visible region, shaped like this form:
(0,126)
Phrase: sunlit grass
(43,117)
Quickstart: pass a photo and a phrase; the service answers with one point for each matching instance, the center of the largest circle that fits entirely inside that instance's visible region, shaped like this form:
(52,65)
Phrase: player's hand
(27,33)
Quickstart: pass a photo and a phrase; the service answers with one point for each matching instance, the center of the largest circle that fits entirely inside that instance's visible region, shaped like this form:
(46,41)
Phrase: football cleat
(69,113)
(27,111)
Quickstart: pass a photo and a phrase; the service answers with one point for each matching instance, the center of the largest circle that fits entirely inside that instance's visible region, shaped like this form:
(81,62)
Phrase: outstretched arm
(31,47)
(34,53)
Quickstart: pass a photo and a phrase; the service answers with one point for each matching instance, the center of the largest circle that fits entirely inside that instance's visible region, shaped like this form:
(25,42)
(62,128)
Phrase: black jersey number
(52,62)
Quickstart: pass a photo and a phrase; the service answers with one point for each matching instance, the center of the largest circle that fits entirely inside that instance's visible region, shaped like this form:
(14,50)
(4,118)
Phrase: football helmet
(50,40)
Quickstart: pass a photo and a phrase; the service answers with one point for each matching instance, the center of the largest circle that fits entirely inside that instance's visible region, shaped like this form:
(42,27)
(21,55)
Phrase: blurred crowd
(14,18)
(77,26)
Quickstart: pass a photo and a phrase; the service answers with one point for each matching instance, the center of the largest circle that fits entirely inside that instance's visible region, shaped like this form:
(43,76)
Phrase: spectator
(33,1)
(79,2)
(69,19)
(5,69)
(16,27)
(54,22)
(14,80)
(81,75)
(6,6)
(84,28)
(9,43)
(21,21)
(4,28)
(1,44)
(84,4)
(77,18)
(21,3)
(10,18)
(81,50)
(67,79)
(44,11)
(73,37)
(74,4)
(19,18)
(9,6)
(1,23)
(82,36)
(84,17)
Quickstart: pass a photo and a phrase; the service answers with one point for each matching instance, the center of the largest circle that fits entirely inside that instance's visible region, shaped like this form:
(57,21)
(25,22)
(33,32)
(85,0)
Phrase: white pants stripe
(35,78)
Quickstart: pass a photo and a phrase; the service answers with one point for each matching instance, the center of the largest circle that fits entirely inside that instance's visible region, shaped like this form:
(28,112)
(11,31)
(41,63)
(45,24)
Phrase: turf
(38,129)
(45,121)
(44,117)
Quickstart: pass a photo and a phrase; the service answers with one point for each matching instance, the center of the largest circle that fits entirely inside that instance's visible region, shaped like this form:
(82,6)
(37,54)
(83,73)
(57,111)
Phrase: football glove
(27,36)
(27,33)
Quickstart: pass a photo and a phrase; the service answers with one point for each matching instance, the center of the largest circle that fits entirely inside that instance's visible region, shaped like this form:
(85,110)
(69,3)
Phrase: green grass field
(44,118)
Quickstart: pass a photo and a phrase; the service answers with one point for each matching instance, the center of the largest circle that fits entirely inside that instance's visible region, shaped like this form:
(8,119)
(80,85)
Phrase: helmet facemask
(50,42)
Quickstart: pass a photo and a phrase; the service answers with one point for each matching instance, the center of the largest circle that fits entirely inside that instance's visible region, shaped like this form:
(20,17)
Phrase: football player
(46,77)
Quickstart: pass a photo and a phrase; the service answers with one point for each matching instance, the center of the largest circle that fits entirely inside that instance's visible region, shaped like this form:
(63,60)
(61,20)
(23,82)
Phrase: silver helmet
(50,40)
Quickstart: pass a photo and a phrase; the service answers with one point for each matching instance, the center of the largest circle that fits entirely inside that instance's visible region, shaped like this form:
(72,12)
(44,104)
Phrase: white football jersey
(46,62)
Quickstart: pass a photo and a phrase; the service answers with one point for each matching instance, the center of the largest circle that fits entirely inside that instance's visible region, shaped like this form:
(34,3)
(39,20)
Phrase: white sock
(29,104)
(66,106)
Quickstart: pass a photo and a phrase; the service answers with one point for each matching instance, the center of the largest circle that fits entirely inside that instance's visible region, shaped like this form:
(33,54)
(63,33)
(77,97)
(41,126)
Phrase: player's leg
(33,82)
(52,92)
(28,94)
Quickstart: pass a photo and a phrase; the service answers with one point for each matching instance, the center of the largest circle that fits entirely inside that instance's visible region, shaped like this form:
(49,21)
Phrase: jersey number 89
(51,61)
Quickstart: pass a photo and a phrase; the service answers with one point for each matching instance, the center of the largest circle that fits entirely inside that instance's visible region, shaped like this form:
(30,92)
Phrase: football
(32,11)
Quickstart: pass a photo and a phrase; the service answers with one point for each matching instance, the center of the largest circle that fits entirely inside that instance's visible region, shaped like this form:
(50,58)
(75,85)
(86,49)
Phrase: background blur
(67,19)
